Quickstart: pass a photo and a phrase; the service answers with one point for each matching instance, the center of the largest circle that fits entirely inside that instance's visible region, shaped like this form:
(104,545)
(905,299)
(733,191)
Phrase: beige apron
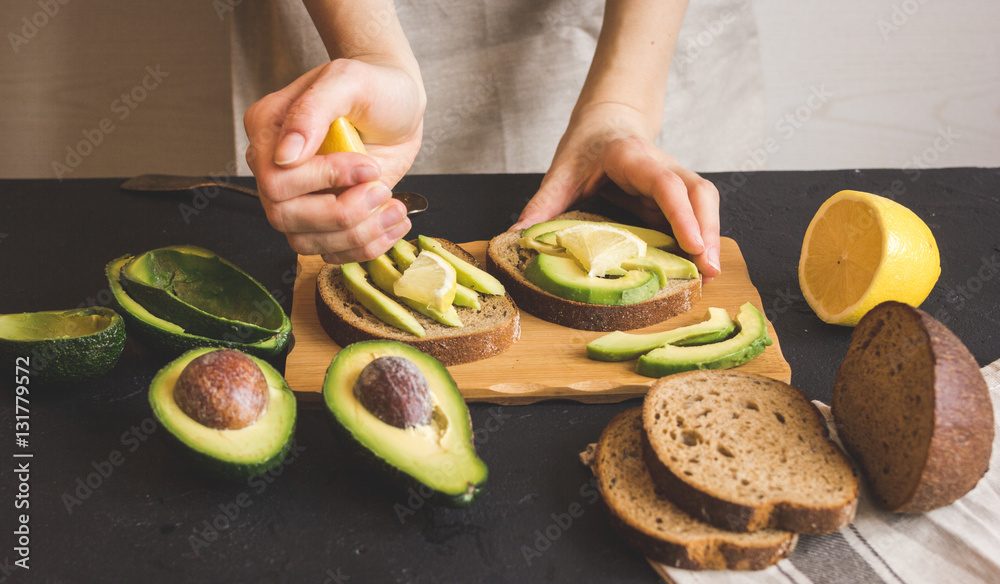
(502,78)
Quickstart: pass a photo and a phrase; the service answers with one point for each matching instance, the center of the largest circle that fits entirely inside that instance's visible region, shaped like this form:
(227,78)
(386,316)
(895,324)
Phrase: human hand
(612,141)
(338,205)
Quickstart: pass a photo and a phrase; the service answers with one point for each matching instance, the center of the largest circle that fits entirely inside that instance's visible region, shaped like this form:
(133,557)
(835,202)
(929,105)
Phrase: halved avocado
(564,278)
(201,292)
(440,455)
(229,454)
(620,346)
(63,346)
(749,342)
(173,339)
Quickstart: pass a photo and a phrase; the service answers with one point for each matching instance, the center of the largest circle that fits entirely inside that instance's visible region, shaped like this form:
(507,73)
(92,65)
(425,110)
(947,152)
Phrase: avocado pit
(224,390)
(395,391)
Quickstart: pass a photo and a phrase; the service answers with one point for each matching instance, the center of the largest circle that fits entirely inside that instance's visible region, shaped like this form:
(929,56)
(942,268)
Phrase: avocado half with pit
(402,410)
(60,347)
(231,413)
(183,297)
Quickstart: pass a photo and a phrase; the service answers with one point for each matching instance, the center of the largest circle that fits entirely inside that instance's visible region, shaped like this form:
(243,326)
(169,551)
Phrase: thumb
(308,120)
(559,190)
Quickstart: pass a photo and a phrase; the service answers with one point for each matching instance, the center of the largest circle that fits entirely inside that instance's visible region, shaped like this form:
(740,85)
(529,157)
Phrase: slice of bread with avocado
(508,260)
(484,332)
(913,408)
(657,527)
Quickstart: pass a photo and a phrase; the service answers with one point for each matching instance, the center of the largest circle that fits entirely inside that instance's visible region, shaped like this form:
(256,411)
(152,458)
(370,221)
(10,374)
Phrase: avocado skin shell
(71,360)
(175,343)
(215,467)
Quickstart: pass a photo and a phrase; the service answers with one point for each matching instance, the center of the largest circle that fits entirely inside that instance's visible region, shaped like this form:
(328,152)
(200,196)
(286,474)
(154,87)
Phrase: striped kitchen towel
(957,544)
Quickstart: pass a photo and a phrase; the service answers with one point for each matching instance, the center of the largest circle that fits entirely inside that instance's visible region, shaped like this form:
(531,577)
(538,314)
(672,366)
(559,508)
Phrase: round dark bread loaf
(486,332)
(659,529)
(746,452)
(506,260)
(913,408)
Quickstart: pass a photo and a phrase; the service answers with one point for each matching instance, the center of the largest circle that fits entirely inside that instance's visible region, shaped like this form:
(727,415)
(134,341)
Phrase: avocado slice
(621,346)
(230,454)
(665,265)
(564,278)
(63,346)
(383,307)
(171,338)
(404,253)
(468,274)
(201,292)
(384,274)
(750,341)
(440,455)
(542,231)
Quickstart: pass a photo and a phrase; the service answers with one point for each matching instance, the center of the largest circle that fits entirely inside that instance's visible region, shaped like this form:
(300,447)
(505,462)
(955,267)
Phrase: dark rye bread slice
(657,527)
(746,452)
(913,408)
(506,260)
(486,332)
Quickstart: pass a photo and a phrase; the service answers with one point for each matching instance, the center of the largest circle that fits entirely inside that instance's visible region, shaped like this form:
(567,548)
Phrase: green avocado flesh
(565,278)
(384,308)
(232,454)
(384,275)
(621,346)
(440,455)
(665,265)
(64,346)
(404,253)
(545,233)
(172,338)
(748,343)
(201,292)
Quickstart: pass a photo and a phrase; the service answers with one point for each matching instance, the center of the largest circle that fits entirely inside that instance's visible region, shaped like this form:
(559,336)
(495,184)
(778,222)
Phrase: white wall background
(849,84)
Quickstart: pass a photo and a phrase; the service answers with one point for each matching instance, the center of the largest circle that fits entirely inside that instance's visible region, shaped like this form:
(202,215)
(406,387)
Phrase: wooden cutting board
(548,362)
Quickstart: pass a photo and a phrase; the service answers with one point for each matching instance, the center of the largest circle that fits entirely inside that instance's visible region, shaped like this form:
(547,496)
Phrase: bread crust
(732,515)
(713,549)
(346,321)
(961,441)
(505,259)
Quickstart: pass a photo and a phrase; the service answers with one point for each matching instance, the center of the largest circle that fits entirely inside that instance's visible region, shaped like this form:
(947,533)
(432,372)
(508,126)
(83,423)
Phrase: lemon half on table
(861,250)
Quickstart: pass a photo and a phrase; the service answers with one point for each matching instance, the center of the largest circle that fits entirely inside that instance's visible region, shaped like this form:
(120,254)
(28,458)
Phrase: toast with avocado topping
(349,312)
(556,289)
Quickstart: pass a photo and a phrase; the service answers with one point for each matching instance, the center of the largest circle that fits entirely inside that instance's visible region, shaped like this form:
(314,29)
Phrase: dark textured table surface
(109,503)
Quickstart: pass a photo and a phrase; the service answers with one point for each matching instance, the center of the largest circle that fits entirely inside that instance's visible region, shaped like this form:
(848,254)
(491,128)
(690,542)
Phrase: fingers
(333,92)
(704,197)
(345,230)
(560,188)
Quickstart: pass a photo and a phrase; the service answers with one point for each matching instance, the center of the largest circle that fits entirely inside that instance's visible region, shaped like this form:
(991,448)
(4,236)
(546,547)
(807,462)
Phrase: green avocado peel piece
(170,338)
(59,347)
(202,293)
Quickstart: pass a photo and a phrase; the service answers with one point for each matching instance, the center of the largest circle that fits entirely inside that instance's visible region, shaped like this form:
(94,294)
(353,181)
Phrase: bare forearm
(366,29)
(632,59)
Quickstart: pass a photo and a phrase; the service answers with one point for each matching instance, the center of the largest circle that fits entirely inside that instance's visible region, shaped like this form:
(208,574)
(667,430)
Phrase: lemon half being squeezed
(861,250)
